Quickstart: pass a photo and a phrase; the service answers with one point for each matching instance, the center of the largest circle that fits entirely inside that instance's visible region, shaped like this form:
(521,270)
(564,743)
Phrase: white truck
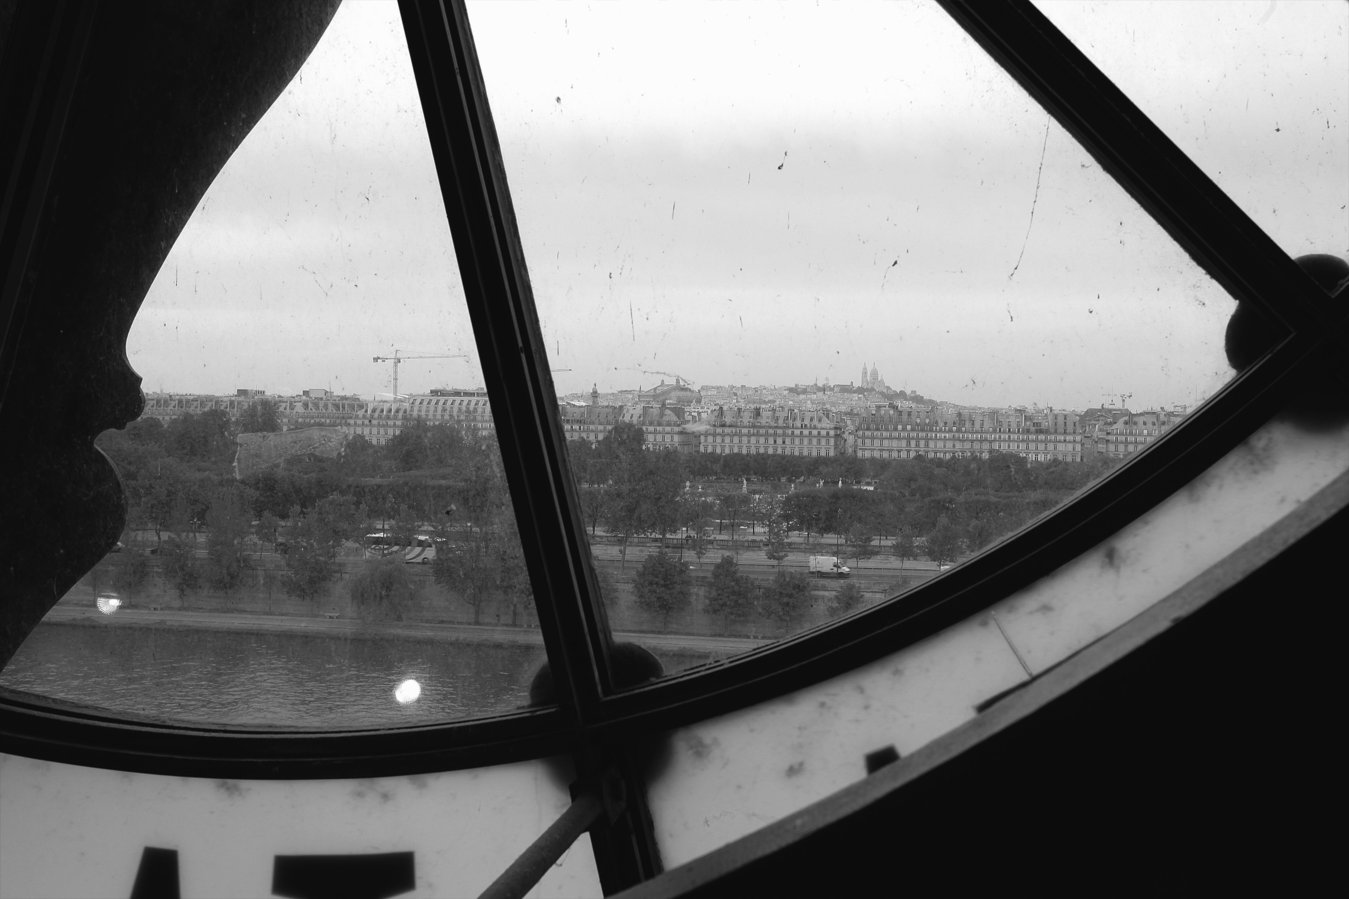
(826,566)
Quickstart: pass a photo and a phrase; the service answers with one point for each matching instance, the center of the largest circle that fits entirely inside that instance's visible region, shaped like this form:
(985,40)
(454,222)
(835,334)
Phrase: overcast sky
(754,193)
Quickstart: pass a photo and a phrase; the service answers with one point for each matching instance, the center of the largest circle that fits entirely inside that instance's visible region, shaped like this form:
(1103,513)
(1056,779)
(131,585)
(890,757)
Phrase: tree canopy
(179,482)
(662,585)
(730,594)
(383,590)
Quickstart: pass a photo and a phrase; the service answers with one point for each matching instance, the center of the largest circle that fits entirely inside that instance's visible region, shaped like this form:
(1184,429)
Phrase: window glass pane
(824,290)
(1255,93)
(320,533)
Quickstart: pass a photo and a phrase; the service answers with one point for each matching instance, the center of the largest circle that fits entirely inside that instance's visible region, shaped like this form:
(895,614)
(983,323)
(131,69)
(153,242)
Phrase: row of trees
(180,485)
(210,528)
(938,507)
(663,587)
(477,562)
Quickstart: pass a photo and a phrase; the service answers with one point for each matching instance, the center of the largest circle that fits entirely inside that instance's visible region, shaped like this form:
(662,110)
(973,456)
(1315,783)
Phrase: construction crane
(667,374)
(396,359)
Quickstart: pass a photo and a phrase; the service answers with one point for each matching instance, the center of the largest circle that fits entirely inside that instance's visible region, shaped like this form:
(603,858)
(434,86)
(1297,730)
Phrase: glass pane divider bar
(500,302)
(496,286)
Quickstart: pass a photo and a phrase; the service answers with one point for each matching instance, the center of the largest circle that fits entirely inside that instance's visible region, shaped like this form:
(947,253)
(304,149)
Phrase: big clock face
(651,422)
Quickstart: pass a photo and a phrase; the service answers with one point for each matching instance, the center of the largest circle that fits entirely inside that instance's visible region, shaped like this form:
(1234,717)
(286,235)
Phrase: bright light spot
(107,603)
(407,691)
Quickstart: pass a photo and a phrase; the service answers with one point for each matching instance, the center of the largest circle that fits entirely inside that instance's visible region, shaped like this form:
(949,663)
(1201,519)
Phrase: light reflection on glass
(108,603)
(407,692)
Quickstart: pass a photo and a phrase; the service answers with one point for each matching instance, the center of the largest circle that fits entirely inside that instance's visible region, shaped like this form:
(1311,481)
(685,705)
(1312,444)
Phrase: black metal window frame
(593,721)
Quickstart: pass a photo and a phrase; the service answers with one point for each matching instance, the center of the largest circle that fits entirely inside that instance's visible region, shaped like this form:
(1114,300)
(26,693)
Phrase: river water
(276,678)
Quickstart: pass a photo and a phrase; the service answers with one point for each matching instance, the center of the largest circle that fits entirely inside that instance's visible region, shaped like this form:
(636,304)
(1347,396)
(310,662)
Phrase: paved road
(754,558)
(751,558)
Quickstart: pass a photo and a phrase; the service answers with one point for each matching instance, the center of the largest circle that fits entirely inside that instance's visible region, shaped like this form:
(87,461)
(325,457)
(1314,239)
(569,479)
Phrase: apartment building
(379,422)
(905,432)
(168,406)
(317,409)
(1131,432)
(470,410)
(895,430)
(772,430)
(663,427)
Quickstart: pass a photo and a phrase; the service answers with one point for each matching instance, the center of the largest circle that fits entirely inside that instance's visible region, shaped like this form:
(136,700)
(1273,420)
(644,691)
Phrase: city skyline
(761,426)
(900,202)
(887,392)
(635,387)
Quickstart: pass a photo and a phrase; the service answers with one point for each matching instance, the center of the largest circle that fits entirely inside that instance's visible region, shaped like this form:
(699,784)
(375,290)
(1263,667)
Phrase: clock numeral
(352,876)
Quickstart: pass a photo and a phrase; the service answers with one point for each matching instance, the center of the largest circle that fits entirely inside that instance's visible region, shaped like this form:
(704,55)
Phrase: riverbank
(261,596)
(88,615)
